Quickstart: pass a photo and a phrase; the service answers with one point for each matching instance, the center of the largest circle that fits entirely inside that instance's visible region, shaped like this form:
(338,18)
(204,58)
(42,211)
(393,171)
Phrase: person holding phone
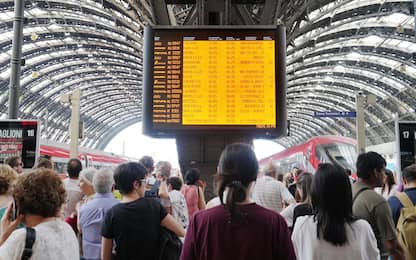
(39,195)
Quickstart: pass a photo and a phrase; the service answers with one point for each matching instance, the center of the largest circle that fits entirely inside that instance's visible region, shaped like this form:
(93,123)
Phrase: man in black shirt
(134,224)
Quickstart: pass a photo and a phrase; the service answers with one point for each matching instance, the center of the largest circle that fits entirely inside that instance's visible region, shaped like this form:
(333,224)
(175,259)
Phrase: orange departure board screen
(214,79)
(237,89)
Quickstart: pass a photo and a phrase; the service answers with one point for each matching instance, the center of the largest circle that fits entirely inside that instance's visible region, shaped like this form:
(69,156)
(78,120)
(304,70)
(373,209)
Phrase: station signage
(335,114)
(19,138)
(407,143)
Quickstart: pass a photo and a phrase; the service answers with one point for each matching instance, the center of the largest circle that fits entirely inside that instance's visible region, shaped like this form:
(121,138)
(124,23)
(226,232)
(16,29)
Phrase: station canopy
(334,50)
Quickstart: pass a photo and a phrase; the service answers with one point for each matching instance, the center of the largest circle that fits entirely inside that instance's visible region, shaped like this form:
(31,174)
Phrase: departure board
(214,79)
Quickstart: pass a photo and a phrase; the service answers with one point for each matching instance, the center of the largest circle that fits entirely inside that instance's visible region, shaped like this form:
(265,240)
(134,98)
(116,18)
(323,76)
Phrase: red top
(263,234)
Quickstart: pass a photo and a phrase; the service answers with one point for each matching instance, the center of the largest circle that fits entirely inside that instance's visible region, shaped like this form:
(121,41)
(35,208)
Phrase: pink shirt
(190,192)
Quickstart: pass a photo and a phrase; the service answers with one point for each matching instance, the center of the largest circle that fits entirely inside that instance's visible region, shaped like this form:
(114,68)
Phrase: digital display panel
(214,79)
(19,138)
(407,142)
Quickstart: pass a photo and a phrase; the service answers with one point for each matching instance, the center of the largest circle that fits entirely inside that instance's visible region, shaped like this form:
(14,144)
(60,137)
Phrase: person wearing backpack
(371,206)
(403,207)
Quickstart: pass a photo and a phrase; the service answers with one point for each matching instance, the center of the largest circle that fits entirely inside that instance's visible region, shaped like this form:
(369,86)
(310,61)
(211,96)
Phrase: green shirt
(372,207)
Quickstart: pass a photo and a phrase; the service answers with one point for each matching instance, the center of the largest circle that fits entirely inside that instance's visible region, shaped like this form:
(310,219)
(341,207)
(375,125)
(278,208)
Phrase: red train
(89,158)
(338,150)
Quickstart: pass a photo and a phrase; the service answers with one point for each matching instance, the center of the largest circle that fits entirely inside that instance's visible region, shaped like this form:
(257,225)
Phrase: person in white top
(38,196)
(271,193)
(178,202)
(71,184)
(389,187)
(332,232)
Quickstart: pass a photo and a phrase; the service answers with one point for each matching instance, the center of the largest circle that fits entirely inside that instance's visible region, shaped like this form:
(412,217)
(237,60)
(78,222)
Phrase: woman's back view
(361,242)
(190,192)
(194,196)
(134,224)
(332,232)
(238,228)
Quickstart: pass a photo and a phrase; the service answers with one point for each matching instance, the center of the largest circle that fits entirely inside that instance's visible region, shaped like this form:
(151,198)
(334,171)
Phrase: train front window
(341,154)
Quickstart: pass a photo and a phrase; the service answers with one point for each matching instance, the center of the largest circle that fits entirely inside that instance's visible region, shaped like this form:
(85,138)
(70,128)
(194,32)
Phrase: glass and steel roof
(335,48)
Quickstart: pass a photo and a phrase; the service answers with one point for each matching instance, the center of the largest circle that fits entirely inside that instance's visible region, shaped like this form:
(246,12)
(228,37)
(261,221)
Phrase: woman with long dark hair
(332,232)
(193,192)
(303,191)
(389,187)
(238,228)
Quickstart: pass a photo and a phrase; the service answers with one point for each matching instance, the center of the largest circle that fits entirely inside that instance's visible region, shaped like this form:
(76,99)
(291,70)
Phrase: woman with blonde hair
(7,178)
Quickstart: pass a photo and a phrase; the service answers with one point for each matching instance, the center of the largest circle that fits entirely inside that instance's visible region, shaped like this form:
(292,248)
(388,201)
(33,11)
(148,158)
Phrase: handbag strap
(30,240)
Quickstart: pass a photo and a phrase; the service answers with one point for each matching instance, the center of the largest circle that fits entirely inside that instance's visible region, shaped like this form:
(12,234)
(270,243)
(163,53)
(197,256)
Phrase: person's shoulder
(362,227)
(269,180)
(361,224)
(18,235)
(54,226)
(393,200)
(14,244)
(368,195)
(213,202)
(116,207)
(411,193)
(266,214)
(307,219)
(215,212)
(175,195)
(303,224)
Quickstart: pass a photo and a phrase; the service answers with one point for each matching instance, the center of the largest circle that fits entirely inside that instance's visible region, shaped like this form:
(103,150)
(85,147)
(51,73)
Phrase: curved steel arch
(319,31)
(119,121)
(303,116)
(310,85)
(96,128)
(355,74)
(103,141)
(111,114)
(316,103)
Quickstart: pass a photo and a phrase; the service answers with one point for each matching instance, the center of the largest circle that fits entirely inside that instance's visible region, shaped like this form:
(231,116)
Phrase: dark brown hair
(237,168)
(304,183)
(44,163)
(332,203)
(40,192)
(12,161)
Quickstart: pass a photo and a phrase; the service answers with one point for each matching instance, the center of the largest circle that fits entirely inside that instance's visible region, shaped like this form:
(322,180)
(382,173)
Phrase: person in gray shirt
(371,206)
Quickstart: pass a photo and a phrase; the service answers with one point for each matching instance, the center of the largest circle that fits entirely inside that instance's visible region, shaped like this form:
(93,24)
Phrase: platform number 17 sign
(407,142)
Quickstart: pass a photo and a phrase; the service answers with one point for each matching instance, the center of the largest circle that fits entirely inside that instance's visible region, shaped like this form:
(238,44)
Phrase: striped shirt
(271,193)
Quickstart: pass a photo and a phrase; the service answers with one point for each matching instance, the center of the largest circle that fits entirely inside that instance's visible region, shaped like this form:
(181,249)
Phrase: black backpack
(170,246)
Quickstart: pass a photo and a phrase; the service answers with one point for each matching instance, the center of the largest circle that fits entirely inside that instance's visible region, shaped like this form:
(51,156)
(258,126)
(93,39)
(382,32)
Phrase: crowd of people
(124,213)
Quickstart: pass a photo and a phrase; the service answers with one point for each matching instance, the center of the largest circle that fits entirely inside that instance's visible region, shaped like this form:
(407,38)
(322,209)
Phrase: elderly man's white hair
(103,180)
(87,174)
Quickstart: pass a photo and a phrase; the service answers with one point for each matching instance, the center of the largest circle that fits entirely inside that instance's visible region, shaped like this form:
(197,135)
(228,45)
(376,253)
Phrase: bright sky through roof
(134,144)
